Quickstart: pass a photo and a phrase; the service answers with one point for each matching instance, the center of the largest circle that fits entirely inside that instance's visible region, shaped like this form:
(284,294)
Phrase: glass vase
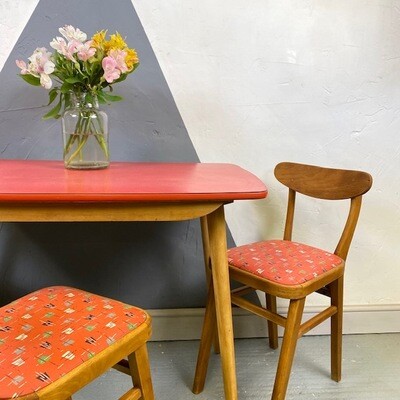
(85,133)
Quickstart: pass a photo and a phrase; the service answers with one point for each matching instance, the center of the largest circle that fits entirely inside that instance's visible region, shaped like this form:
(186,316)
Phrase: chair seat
(48,333)
(283,262)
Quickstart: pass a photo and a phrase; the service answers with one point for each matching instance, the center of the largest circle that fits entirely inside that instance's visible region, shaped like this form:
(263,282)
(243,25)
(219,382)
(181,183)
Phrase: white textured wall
(313,81)
(14,14)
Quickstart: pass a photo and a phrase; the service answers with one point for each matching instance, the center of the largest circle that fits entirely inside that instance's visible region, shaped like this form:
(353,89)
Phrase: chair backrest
(328,184)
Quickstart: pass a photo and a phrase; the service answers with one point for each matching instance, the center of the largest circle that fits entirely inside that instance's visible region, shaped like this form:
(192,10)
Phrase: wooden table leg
(207,262)
(220,273)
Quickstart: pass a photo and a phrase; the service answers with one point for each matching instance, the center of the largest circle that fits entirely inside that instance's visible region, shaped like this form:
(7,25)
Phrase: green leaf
(121,78)
(52,95)
(109,97)
(67,100)
(53,113)
(100,97)
(32,80)
(66,87)
(73,79)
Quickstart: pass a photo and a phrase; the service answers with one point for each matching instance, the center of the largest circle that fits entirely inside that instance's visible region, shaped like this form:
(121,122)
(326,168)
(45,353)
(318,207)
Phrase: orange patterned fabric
(46,334)
(281,261)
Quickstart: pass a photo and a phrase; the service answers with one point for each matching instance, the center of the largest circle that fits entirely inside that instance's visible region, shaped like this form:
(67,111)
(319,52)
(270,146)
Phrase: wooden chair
(291,270)
(56,340)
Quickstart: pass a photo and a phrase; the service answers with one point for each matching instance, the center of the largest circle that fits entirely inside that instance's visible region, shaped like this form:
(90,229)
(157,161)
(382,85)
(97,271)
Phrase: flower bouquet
(83,72)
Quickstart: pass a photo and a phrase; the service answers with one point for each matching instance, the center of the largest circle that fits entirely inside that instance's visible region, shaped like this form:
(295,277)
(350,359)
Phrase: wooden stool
(56,340)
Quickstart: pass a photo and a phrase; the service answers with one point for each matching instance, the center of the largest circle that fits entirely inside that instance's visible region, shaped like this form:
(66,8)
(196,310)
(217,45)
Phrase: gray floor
(371,370)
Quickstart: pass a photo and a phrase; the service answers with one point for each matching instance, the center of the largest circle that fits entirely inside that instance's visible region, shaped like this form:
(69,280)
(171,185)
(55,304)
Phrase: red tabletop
(49,181)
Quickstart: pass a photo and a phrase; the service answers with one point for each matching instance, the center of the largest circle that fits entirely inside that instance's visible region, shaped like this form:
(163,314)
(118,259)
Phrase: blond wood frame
(211,211)
(321,183)
(132,345)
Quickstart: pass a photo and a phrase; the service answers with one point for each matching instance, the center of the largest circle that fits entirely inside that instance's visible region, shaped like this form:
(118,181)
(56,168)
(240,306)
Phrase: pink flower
(40,65)
(40,62)
(22,65)
(72,48)
(114,65)
(85,51)
(119,57)
(66,49)
(111,71)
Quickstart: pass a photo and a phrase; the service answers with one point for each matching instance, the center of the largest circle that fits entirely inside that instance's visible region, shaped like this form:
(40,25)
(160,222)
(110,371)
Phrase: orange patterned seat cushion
(48,333)
(281,261)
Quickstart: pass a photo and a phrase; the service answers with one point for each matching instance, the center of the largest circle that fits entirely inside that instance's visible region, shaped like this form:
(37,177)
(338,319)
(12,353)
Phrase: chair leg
(336,289)
(207,338)
(140,371)
(272,328)
(288,348)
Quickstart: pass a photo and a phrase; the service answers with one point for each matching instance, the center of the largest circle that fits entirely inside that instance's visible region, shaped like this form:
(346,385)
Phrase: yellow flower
(131,58)
(99,39)
(116,42)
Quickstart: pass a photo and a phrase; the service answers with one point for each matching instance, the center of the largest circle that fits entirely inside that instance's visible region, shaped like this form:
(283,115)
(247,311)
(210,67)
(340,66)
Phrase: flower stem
(82,141)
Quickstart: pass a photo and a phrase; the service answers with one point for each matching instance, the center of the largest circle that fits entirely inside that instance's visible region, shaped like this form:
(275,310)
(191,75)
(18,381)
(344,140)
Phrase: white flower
(40,55)
(70,33)
(41,66)
(45,81)
(66,49)
(59,44)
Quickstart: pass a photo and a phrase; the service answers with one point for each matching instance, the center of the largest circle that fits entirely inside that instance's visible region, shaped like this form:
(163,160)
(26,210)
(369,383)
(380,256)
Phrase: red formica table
(34,191)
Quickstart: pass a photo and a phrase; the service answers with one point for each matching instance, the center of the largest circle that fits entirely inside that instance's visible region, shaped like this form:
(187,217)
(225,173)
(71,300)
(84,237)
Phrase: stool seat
(48,334)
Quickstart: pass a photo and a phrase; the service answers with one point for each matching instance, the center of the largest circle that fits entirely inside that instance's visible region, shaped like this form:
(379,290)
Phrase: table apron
(105,212)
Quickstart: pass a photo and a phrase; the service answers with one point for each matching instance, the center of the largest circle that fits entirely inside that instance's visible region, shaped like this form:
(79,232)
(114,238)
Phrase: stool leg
(207,337)
(140,371)
(288,348)
(272,328)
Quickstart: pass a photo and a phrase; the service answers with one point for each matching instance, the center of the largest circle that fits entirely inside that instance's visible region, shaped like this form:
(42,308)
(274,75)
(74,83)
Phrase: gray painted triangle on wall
(145,126)
(148,264)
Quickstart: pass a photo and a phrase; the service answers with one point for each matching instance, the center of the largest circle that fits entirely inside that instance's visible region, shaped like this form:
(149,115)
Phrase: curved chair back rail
(326,184)
(321,182)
